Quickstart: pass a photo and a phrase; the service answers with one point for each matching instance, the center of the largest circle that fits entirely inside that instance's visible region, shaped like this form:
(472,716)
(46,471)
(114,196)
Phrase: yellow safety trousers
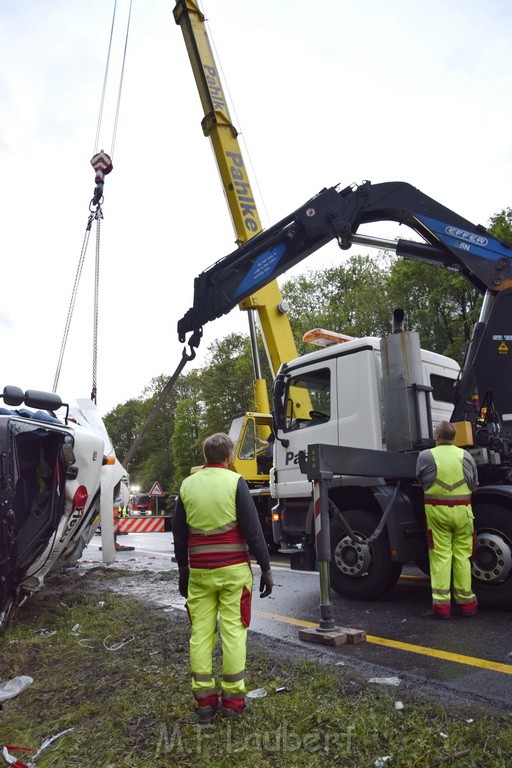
(219,593)
(452,537)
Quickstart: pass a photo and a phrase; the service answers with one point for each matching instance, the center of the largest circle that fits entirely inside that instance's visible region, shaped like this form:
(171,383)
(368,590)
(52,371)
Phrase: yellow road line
(285,619)
(458,658)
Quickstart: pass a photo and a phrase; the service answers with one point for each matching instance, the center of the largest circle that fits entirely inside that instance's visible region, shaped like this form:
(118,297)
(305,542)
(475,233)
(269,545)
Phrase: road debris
(12,760)
(257,693)
(117,646)
(385,680)
(11,688)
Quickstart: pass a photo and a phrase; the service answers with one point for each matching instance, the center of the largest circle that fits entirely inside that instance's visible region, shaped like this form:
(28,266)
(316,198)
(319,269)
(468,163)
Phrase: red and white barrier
(139,525)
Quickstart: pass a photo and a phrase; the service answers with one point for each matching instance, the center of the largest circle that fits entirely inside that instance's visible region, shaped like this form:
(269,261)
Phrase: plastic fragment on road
(385,680)
(399,705)
(11,688)
(381,761)
(44,632)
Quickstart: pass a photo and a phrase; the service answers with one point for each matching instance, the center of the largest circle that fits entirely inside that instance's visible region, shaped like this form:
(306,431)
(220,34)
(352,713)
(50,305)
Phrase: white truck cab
(360,397)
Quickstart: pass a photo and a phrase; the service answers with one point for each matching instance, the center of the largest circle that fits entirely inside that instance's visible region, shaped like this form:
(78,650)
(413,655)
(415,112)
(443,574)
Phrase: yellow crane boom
(216,124)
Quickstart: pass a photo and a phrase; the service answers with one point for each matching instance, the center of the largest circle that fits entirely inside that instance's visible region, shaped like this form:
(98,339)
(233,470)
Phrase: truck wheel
(491,565)
(361,571)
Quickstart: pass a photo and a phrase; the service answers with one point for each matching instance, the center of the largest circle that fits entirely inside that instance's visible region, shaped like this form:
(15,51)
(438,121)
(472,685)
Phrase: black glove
(183,582)
(266,583)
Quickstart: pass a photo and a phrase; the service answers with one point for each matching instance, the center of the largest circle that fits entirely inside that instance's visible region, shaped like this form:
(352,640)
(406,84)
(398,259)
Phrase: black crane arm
(450,240)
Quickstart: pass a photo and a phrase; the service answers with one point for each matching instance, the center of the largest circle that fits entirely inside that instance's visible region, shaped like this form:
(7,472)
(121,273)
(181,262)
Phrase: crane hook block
(102,165)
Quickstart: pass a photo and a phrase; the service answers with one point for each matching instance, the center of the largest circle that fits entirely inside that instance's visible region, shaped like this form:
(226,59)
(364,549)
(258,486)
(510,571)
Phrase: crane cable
(193,343)
(102,164)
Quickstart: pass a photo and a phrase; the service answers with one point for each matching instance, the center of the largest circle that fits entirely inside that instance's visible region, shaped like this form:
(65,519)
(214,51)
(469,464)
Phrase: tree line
(355,298)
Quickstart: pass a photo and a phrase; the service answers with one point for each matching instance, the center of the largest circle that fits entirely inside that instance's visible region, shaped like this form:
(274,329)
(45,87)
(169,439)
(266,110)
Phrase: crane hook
(102,165)
(194,341)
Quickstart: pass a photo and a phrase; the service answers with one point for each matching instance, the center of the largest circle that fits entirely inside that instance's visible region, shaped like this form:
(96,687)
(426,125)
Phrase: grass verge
(120,682)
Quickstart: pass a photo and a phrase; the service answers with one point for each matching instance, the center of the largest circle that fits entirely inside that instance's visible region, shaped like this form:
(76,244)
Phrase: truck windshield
(317,384)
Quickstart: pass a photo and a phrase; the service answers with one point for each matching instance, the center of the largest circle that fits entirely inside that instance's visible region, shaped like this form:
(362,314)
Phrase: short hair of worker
(445,431)
(217,448)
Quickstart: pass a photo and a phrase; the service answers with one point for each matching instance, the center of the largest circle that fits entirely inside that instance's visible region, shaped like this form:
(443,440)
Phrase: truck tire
(492,561)
(379,574)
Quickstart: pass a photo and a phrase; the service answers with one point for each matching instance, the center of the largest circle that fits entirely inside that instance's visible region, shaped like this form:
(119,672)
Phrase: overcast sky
(329,93)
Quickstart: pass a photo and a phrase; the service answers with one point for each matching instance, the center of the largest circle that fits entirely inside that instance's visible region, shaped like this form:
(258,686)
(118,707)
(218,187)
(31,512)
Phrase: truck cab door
(297,427)
(250,434)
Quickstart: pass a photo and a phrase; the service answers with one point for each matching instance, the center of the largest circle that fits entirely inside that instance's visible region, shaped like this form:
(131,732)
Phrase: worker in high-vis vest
(448,475)
(216,529)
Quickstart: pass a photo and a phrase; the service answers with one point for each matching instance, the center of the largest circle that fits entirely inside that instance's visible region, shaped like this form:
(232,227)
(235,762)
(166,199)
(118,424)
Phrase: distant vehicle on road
(141,504)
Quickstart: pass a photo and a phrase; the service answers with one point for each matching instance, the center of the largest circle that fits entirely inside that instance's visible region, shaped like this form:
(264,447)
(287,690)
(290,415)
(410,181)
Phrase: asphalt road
(469,658)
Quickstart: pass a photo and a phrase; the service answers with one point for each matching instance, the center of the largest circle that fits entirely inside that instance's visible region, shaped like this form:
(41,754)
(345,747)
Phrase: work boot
(234,707)
(441,611)
(206,709)
(468,609)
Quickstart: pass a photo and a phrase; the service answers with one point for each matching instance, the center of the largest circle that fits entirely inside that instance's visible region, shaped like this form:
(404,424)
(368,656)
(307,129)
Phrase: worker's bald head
(444,432)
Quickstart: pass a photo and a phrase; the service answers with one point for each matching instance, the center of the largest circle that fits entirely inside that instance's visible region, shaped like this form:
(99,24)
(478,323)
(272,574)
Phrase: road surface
(470,658)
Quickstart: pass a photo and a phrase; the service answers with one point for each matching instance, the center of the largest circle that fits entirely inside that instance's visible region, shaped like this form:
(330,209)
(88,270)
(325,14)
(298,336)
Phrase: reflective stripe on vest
(450,488)
(209,498)
(447,501)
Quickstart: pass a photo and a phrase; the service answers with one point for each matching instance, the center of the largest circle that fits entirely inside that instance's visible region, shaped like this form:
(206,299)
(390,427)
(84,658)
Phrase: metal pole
(323,550)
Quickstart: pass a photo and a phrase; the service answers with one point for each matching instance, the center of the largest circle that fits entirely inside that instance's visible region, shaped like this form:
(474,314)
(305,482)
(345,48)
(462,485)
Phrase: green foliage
(186,444)
(501,225)
(124,422)
(154,458)
(226,383)
(350,298)
(358,298)
(440,305)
